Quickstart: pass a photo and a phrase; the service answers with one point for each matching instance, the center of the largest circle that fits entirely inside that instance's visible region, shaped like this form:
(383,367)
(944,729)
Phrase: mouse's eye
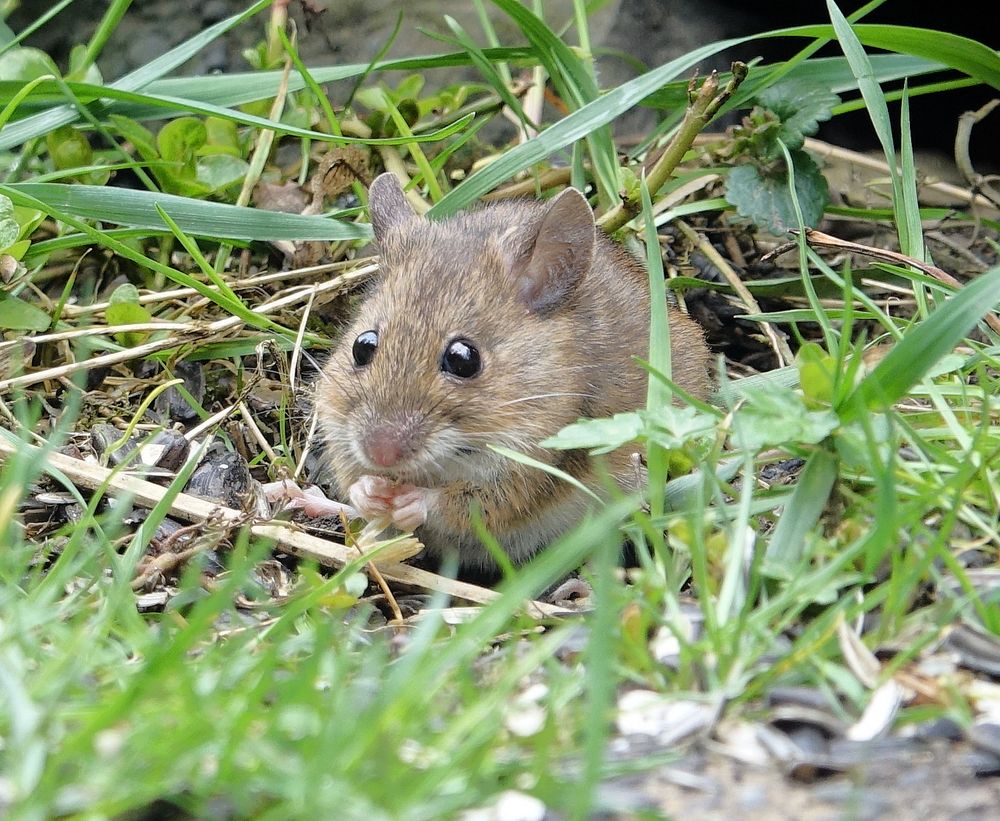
(364,348)
(461,359)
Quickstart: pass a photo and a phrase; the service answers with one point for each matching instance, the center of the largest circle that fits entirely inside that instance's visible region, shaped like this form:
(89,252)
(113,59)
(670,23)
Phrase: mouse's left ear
(387,205)
(552,259)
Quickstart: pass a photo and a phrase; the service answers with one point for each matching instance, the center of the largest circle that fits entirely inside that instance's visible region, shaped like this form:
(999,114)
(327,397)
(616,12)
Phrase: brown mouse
(497,326)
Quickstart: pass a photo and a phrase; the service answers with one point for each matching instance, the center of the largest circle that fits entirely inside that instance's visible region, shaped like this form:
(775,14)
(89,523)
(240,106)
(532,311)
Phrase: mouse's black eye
(364,348)
(461,359)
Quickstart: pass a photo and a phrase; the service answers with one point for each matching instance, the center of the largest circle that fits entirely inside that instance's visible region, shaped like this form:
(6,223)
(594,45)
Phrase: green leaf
(764,198)
(674,426)
(598,435)
(18,315)
(180,139)
(816,374)
(68,148)
(124,309)
(222,137)
(778,416)
(220,171)
(10,229)
(575,83)
(786,548)
(569,129)
(43,123)
(833,73)
(26,64)
(801,107)
(140,136)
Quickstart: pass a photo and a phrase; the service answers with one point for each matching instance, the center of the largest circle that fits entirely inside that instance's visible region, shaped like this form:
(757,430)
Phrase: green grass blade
(577,125)
(575,84)
(171,106)
(786,548)
(196,217)
(922,347)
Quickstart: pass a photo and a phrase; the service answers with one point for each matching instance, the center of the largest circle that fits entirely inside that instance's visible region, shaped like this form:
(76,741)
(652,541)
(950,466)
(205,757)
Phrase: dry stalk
(284,534)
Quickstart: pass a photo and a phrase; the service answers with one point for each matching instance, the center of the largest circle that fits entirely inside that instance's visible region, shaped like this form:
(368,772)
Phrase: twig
(702,106)
(818,239)
(284,534)
(778,343)
(963,160)
(827,151)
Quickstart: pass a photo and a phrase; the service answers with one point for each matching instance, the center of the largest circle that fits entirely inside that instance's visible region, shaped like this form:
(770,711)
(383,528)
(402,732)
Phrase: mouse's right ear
(387,205)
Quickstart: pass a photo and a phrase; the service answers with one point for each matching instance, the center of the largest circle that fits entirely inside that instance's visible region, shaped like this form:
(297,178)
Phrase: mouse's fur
(557,311)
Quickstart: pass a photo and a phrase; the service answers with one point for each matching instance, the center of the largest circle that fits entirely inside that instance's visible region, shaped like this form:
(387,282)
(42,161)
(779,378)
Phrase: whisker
(545,396)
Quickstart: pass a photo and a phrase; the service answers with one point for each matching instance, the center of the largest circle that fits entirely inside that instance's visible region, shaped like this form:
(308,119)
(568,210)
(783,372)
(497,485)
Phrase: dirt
(934,781)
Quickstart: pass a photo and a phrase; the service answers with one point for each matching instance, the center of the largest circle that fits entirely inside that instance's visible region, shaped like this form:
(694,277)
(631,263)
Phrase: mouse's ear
(549,261)
(387,205)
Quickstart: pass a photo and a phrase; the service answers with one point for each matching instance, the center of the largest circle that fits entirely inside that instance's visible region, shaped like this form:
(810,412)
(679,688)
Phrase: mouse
(497,326)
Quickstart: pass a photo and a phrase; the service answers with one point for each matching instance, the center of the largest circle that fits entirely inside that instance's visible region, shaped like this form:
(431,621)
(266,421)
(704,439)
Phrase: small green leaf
(219,171)
(140,136)
(910,359)
(10,230)
(778,416)
(764,199)
(816,374)
(124,309)
(68,148)
(180,139)
(674,426)
(18,315)
(26,64)
(598,435)
(800,106)
(222,137)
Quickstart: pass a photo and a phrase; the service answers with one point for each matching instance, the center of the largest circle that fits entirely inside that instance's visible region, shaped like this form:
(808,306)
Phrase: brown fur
(552,352)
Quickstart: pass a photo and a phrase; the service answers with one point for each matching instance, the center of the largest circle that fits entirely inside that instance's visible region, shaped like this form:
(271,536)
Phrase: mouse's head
(473,335)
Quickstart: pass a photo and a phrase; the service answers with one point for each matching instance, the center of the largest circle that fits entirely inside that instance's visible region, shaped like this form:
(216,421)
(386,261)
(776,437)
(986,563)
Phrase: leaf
(18,315)
(222,137)
(68,148)
(179,139)
(786,548)
(569,129)
(25,64)
(800,106)
(673,426)
(778,416)
(219,171)
(140,136)
(43,123)
(765,201)
(816,374)
(124,309)
(10,230)
(598,435)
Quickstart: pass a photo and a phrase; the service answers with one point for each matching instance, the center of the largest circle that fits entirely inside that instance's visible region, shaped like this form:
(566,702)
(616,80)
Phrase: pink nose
(383,447)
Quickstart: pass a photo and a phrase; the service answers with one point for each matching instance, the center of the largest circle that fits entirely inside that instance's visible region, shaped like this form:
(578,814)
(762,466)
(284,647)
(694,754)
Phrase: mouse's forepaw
(376,497)
(410,508)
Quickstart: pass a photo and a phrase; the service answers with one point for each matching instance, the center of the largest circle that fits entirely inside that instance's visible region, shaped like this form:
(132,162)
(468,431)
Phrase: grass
(261,689)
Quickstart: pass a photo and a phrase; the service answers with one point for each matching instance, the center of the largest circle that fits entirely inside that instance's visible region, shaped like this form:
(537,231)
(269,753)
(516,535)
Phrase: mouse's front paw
(410,507)
(376,498)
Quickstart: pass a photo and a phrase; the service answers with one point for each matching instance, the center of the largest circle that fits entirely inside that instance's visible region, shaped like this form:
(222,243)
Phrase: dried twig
(818,239)
(778,343)
(963,160)
(284,534)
